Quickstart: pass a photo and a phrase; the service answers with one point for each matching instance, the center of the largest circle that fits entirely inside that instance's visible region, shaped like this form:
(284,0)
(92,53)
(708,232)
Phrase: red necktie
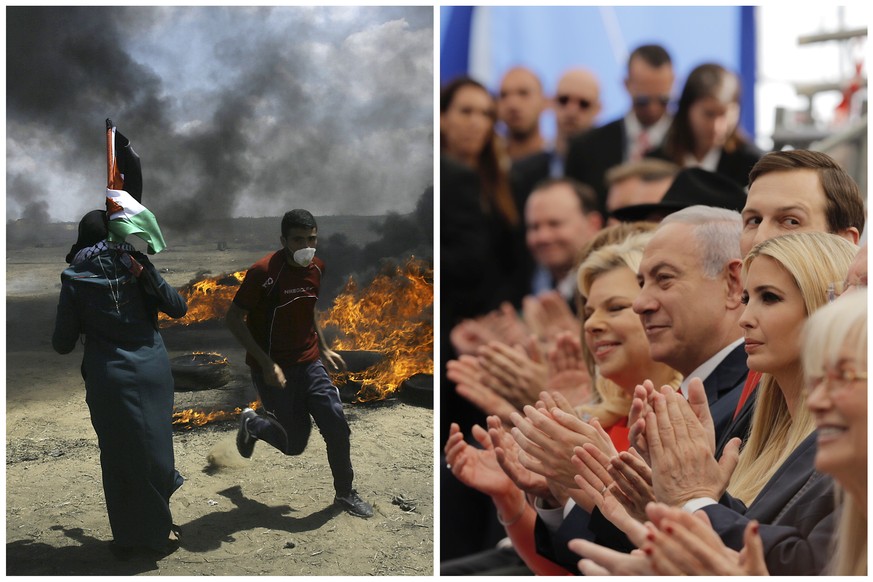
(752,381)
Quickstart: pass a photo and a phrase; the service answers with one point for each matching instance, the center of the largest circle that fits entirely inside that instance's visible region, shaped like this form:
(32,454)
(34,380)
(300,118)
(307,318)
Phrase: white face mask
(304,256)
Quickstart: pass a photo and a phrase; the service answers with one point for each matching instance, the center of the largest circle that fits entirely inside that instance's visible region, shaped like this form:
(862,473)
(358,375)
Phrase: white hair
(718,232)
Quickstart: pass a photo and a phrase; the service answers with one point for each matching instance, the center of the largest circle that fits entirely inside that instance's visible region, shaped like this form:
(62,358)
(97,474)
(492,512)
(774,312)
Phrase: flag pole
(113,179)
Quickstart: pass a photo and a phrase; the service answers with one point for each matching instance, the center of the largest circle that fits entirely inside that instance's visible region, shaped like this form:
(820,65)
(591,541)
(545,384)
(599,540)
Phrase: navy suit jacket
(724,387)
(796,512)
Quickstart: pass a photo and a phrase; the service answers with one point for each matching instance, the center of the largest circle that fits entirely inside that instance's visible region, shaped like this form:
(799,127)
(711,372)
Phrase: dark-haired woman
(705,131)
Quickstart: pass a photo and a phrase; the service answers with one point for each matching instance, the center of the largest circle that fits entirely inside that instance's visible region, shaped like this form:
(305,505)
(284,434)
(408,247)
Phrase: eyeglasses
(645,100)
(833,382)
(837,288)
(565,99)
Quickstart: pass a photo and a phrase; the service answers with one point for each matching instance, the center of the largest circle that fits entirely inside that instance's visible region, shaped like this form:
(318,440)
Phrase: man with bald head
(576,104)
(519,105)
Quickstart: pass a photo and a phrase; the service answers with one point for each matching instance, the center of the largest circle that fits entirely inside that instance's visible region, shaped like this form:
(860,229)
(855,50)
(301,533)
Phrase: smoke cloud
(234,111)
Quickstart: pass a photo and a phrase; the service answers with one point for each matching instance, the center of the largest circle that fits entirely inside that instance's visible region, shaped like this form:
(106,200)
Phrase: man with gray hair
(690,303)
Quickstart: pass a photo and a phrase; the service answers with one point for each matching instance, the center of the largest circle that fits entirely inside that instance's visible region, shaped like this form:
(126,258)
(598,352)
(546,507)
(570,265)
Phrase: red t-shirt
(280,300)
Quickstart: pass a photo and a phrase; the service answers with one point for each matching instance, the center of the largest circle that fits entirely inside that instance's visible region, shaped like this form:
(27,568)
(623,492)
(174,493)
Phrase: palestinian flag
(127,217)
(126,214)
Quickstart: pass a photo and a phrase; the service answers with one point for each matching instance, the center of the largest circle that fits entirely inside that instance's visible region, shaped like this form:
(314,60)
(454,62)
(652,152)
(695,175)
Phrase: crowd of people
(653,336)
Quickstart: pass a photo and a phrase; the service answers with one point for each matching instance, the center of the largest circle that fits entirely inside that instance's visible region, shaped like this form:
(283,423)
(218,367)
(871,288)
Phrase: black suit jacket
(594,152)
(734,165)
(468,273)
(526,173)
(796,512)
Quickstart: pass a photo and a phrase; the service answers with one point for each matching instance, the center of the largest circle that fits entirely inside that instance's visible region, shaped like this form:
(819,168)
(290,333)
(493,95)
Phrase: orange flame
(207,298)
(392,315)
(191,418)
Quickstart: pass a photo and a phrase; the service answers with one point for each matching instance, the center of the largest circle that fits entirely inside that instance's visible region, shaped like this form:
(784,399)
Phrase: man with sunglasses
(649,84)
(576,105)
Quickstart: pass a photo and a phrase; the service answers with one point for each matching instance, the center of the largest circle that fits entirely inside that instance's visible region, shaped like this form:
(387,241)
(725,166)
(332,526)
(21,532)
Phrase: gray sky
(234,111)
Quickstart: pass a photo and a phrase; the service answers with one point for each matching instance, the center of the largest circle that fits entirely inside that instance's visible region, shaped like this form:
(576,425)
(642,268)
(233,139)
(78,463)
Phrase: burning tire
(360,360)
(200,371)
(418,390)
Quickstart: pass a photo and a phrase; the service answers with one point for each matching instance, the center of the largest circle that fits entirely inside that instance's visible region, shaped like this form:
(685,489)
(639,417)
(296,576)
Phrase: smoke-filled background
(234,111)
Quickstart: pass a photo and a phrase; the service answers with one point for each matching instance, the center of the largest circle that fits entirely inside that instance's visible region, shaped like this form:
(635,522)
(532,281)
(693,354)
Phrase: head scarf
(92,230)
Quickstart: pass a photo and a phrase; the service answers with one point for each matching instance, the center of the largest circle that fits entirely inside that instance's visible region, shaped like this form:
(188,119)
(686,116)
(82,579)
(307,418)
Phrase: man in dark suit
(649,83)
(576,104)
(690,303)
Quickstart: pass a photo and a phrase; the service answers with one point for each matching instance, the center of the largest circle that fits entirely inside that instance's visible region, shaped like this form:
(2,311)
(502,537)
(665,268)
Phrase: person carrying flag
(273,317)
(111,294)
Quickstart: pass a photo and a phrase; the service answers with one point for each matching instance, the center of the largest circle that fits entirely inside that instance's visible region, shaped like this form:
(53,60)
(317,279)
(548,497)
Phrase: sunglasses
(645,100)
(565,99)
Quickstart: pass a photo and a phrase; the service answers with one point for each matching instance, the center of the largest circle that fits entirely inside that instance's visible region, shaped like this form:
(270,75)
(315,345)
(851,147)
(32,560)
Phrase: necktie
(641,147)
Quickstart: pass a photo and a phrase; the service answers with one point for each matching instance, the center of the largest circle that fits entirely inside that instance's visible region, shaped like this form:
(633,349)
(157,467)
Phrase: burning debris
(192,418)
(392,315)
(208,298)
(392,318)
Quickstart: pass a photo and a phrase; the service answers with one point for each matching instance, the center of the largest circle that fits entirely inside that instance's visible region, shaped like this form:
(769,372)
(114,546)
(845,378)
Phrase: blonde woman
(780,422)
(617,350)
(616,339)
(615,347)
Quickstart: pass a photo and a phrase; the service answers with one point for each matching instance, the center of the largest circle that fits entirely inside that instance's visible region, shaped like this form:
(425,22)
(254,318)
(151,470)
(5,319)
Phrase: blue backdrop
(486,41)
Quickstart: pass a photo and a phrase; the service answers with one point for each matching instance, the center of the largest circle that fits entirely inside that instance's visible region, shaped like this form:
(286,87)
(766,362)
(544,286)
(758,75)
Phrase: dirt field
(270,515)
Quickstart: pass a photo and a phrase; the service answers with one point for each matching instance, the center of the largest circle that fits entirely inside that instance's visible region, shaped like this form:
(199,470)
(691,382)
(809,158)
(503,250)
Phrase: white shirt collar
(633,128)
(706,368)
(709,161)
(567,286)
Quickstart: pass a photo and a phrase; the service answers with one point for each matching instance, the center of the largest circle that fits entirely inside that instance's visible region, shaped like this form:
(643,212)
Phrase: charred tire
(199,371)
(360,360)
(418,390)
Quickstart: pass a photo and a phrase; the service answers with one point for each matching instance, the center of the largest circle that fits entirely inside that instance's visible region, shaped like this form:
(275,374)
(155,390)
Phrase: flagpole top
(109,124)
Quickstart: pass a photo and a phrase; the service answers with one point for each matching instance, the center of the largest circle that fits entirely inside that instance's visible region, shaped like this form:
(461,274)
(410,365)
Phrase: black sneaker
(354,505)
(245,442)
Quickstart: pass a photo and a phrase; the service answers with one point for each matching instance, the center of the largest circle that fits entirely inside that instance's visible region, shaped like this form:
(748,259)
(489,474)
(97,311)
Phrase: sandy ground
(270,515)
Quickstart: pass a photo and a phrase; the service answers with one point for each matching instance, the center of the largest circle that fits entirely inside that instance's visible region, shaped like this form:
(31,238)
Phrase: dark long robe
(128,386)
